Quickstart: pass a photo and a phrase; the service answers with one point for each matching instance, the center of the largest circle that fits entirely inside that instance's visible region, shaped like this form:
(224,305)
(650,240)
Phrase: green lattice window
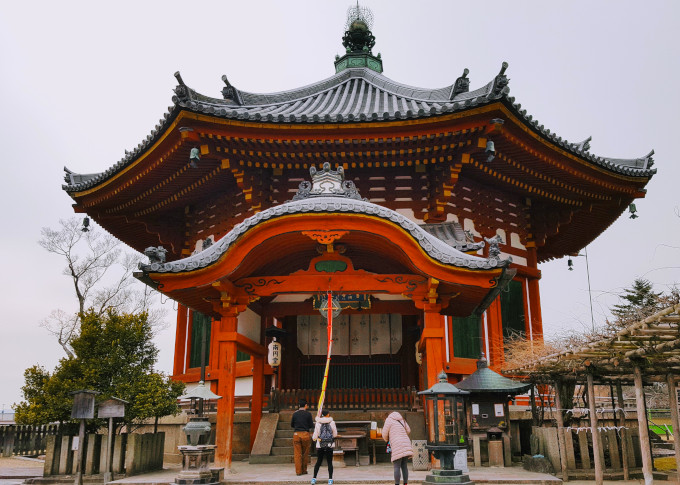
(512,309)
(466,340)
(199,321)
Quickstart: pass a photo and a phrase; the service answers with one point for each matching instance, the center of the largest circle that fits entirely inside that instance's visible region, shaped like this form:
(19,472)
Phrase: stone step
(284,433)
(284,442)
(282,450)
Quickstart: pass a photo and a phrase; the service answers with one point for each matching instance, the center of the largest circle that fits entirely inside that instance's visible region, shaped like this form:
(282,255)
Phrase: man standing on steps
(301,423)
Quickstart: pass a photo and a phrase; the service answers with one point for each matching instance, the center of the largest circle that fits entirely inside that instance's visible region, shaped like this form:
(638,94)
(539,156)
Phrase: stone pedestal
(448,476)
(339,459)
(196,468)
(460,460)
(496,453)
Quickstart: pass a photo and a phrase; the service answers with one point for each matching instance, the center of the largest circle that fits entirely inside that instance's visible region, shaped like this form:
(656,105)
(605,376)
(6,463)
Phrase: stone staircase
(282,444)
(282,449)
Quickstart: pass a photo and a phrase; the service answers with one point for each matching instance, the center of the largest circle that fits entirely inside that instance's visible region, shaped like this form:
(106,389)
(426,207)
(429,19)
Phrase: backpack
(326,435)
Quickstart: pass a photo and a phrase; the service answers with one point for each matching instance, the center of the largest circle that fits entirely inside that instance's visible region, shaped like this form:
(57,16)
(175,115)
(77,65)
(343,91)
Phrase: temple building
(424,211)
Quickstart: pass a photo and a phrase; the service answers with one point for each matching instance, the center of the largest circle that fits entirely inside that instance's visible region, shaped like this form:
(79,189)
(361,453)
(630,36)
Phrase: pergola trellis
(643,352)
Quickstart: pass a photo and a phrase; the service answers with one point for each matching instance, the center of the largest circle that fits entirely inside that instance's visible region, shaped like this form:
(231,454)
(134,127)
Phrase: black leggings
(400,465)
(320,453)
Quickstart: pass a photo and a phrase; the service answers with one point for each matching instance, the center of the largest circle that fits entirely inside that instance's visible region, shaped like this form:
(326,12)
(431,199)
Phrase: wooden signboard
(111,408)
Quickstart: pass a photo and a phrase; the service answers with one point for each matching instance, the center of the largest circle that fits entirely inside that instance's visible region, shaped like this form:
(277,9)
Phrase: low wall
(132,454)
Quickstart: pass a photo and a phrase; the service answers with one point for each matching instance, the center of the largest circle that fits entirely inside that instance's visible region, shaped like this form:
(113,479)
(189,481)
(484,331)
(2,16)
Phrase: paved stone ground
(14,470)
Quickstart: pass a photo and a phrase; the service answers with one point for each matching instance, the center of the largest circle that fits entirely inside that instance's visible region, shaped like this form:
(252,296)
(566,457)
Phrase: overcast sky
(83,81)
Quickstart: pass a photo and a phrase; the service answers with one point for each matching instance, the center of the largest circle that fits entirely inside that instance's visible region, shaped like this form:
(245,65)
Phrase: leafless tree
(101,274)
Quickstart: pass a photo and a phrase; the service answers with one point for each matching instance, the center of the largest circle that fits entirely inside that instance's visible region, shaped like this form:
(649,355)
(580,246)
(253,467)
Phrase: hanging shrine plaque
(380,334)
(341,335)
(357,334)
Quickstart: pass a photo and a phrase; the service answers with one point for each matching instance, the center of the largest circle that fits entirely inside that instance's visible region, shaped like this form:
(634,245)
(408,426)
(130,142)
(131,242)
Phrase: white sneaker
(330,481)
(313,481)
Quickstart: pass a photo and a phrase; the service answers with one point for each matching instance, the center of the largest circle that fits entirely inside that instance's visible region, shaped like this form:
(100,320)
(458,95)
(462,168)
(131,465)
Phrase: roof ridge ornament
(583,146)
(327,183)
(500,83)
(462,84)
(494,250)
(230,93)
(182,90)
(358,36)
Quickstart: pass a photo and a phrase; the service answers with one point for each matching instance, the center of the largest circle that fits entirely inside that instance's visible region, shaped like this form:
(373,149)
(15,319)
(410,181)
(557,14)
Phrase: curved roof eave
(354,95)
(434,247)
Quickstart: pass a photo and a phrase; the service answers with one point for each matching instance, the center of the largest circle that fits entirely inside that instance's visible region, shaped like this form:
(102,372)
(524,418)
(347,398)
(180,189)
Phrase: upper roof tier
(350,96)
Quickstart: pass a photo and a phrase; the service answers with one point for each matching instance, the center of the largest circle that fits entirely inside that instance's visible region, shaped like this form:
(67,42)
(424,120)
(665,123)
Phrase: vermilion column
(226,364)
(534,295)
(433,342)
(495,326)
(258,396)
(180,340)
(189,343)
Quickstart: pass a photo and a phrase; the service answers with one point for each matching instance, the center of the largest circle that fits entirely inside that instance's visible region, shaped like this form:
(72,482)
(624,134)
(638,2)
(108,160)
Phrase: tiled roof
(436,248)
(352,95)
(452,233)
(486,380)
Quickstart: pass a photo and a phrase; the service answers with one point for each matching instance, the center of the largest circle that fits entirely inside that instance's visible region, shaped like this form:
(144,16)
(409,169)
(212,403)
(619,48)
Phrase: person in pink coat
(396,431)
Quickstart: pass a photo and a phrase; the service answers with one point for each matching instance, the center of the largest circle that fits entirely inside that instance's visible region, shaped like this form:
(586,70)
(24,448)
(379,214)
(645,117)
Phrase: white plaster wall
(249,325)
(515,241)
(244,386)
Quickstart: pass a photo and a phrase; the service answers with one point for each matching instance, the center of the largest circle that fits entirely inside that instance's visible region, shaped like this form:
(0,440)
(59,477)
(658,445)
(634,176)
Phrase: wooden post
(597,445)
(624,432)
(258,396)
(81,445)
(225,388)
(675,421)
(180,340)
(560,432)
(433,335)
(643,427)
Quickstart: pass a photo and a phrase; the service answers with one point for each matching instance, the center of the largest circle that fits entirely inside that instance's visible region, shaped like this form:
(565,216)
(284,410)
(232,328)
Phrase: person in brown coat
(396,431)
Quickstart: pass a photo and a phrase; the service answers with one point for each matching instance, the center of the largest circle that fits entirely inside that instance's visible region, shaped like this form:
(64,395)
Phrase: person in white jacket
(324,436)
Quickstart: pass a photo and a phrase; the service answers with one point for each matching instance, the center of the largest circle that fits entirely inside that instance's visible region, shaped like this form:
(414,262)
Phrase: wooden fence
(579,449)
(25,440)
(132,454)
(346,399)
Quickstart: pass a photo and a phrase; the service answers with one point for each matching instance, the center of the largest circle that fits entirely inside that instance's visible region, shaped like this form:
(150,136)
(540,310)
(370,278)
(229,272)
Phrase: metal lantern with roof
(445,405)
(489,413)
(198,428)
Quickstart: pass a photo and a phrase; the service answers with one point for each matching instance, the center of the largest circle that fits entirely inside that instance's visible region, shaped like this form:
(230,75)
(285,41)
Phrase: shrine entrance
(399,282)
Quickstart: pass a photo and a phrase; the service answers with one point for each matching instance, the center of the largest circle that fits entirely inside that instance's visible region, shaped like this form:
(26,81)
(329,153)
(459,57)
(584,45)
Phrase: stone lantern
(445,405)
(197,454)
(489,413)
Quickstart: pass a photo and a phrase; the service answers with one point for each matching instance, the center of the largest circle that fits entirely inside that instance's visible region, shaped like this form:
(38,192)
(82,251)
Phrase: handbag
(388,449)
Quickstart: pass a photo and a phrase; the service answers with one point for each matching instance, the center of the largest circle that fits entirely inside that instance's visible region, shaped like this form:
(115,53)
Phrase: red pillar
(190,326)
(433,342)
(258,396)
(225,387)
(495,326)
(534,296)
(180,341)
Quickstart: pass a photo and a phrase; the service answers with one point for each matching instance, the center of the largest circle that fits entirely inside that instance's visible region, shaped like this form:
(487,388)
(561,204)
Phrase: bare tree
(101,274)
